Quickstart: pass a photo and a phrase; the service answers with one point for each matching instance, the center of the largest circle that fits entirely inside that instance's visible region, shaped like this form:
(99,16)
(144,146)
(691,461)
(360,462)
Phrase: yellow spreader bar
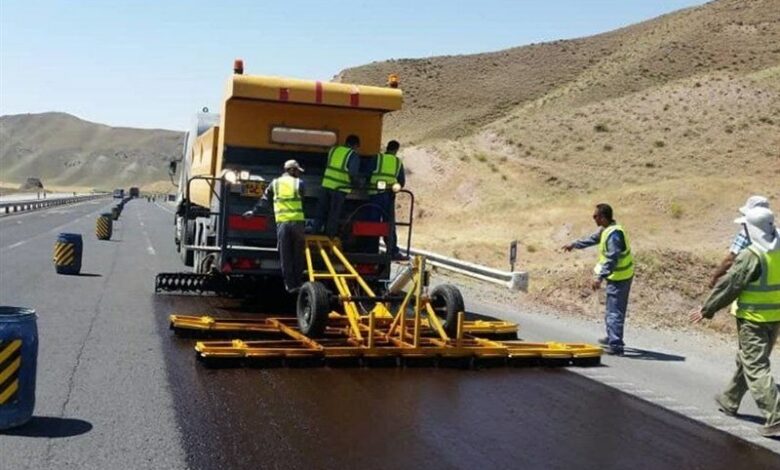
(338,344)
(261,325)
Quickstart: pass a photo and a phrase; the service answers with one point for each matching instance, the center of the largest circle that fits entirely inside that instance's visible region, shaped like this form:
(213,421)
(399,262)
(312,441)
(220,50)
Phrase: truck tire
(187,238)
(447,301)
(313,308)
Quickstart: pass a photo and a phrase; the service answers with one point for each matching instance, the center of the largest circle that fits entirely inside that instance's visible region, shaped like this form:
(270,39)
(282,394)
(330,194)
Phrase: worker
(753,281)
(389,170)
(340,177)
(287,192)
(740,241)
(616,266)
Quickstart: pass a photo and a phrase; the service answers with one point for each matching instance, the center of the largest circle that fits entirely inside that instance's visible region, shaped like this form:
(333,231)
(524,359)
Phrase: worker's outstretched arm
(724,266)
(268,196)
(583,242)
(746,269)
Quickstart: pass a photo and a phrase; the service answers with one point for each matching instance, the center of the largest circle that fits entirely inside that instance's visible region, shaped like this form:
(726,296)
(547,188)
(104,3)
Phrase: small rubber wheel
(447,301)
(313,308)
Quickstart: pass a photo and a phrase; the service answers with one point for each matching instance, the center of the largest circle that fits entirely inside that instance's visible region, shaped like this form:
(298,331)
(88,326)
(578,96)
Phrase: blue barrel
(18,362)
(67,253)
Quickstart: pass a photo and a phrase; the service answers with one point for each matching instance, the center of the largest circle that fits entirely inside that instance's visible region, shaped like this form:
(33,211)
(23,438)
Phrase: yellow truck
(229,159)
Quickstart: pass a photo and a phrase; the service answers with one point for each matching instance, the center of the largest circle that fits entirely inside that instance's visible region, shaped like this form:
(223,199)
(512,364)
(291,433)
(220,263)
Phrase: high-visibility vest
(624,269)
(759,301)
(388,166)
(288,204)
(336,174)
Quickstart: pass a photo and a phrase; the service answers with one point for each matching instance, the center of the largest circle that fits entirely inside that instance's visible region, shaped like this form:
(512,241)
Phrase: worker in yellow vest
(389,172)
(616,266)
(286,192)
(340,177)
(752,287)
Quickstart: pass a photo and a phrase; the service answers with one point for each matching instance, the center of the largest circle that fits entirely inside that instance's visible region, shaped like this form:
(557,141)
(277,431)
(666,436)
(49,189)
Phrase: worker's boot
(770,431)
(723,408)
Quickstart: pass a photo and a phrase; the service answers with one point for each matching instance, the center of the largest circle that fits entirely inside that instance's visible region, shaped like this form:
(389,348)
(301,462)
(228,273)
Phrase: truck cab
(227,166)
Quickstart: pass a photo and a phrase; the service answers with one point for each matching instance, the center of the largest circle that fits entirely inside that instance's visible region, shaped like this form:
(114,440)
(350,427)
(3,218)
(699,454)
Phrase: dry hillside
(674,121)
(65,151)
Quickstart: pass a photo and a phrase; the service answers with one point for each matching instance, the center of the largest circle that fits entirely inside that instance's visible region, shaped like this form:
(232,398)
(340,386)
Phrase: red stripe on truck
(354,97)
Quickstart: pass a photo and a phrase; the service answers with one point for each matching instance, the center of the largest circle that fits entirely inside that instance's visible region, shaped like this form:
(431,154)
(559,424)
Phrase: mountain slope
(64,150)
(674,121)
(451,96)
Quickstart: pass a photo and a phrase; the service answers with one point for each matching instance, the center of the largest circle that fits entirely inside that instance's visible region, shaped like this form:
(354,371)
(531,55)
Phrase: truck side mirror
(172,167)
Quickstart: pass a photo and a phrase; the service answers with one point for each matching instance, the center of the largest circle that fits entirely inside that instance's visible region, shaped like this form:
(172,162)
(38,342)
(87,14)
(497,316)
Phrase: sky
(154,64)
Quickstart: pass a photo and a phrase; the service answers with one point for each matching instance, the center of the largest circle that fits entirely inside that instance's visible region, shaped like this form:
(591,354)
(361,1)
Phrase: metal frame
(381,332)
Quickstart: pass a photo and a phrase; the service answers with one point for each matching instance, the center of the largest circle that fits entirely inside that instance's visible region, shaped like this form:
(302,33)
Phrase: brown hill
(63,150)
(674,121)
(451,96)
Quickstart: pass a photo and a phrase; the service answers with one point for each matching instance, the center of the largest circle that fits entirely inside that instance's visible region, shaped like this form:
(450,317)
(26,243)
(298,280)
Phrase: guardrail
(22,206)
(514,280)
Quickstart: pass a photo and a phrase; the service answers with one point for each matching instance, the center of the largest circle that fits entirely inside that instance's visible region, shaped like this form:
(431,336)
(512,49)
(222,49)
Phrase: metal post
(419,262)
(371,329)
(512,255)
(459,331)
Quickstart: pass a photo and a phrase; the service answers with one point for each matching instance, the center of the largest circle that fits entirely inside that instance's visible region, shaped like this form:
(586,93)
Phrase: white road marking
(164,208)
(149,247)
(50,232)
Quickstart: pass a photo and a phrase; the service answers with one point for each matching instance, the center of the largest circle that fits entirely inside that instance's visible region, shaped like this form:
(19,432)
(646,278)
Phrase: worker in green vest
(340,177)
(286,192)
(616,267)
(752,287)
(388,173)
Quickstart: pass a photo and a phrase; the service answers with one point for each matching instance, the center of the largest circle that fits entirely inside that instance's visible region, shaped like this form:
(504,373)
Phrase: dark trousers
(291,245)
(385,211)
(617,306)
(329,211)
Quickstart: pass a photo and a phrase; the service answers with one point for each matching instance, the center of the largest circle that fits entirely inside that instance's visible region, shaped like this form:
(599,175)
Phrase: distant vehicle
(134,192)
(229,160)
(119,193)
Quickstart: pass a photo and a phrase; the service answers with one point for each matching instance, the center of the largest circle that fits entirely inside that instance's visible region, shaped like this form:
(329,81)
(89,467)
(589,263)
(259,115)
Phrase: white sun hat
(752,201)
(760,223)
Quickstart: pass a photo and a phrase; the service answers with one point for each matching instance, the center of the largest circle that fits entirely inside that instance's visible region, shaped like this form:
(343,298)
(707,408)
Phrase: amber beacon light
(392,80)
(238,66)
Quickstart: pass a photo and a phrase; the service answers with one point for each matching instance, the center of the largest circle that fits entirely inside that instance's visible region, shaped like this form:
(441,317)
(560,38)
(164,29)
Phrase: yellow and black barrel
(115,211)
(104,227)
(67,253)
(18,361)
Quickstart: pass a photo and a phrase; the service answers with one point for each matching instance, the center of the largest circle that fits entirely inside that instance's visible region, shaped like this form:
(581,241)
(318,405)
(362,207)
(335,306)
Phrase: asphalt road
(117,390)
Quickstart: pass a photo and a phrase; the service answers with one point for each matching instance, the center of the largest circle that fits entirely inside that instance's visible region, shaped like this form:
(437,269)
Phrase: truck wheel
(313,308)
(447,301)
(187,238)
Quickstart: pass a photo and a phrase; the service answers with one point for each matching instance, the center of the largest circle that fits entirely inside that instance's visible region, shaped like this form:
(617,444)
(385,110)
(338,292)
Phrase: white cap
(754,201)
(760,223)
(292,164)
